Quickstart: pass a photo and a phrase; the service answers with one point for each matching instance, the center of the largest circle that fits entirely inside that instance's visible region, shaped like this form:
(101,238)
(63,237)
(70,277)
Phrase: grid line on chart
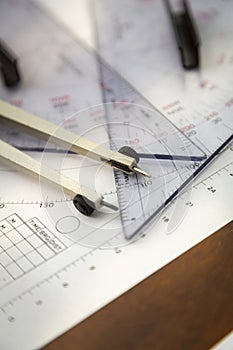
(24,245)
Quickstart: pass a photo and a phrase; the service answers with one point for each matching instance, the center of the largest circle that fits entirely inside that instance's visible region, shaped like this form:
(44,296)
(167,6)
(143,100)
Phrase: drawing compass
(85,199)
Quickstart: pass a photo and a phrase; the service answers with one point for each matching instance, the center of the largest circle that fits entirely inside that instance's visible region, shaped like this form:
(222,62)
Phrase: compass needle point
(141,172)
(109,205)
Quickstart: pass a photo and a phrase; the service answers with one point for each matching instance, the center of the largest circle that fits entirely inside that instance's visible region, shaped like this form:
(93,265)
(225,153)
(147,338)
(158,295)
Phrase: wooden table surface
(185,305)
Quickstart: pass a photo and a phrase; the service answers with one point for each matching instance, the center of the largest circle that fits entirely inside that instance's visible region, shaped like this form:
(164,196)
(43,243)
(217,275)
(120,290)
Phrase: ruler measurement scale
(202,116)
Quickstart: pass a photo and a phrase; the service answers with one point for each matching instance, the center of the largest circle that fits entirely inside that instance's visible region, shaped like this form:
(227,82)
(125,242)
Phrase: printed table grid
(24,245)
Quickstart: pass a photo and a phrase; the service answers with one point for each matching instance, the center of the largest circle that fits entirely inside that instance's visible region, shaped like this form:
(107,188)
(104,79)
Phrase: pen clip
(8,66)
(186,34)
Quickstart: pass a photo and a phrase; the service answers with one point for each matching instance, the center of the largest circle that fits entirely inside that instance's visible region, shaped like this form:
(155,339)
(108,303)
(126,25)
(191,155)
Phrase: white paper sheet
(50,281)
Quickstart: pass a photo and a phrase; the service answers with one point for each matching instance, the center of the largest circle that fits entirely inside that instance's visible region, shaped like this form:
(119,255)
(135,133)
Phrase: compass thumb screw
(83,205)
(130,152)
